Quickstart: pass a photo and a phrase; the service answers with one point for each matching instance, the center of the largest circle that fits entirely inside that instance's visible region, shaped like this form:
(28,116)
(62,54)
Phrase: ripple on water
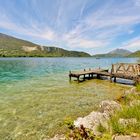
(36,97)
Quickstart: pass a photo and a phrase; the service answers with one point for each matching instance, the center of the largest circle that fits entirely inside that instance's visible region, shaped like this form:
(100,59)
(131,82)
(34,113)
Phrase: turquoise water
(15,69)
(36,96)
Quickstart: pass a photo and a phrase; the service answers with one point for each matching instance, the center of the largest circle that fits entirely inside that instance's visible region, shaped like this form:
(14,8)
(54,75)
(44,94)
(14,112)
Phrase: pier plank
(119,70)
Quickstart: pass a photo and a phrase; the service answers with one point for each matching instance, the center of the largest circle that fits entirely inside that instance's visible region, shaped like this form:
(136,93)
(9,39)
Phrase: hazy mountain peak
(115,53)
(120,52)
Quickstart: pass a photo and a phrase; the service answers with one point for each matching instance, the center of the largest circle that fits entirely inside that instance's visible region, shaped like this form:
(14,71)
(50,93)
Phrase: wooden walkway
(119,70)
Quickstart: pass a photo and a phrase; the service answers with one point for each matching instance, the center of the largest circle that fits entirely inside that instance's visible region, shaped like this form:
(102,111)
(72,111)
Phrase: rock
(57,137)
(109,107)
(133,90)
(134,135)
(127,92)
(126,122)
(92,121)
(135,103)
(127,137)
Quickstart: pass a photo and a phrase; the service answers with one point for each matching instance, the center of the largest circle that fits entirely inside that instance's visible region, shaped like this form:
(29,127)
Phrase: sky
(93,26)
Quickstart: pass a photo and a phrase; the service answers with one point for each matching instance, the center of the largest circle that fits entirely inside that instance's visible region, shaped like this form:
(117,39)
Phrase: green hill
(135,54)
(14,47)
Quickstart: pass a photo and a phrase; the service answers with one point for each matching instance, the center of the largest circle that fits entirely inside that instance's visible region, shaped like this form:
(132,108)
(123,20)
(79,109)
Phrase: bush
(138,87)
(81,133)
(126,113)
(101,128)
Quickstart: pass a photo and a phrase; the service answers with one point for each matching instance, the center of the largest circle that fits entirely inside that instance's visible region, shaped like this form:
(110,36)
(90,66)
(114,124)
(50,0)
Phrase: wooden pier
(119,70)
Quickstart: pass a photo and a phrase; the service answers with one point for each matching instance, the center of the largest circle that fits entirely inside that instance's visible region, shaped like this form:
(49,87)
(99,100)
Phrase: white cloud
(97,29)
(130,31)
(33,30)
(137,2)
(133,44)
(85,43)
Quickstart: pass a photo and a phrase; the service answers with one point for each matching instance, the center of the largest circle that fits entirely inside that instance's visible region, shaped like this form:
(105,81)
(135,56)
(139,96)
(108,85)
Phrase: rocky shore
(98,121)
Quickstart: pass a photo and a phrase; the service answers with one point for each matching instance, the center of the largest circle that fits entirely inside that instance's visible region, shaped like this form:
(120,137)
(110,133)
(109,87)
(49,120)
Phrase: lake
(36,96)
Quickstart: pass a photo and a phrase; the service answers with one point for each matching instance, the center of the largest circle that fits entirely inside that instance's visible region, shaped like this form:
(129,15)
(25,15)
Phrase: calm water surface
(36,96)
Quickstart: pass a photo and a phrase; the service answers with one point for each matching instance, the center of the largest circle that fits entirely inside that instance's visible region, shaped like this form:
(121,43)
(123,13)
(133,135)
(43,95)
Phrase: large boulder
(109,107)
(92,121)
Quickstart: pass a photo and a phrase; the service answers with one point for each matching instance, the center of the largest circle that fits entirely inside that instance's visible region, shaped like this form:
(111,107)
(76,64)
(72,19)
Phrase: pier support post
(78,79)
(92,75)
(84,77)
(89,76)
(98,76)
(69,78)
(115,79)
(69,75)
(111,79)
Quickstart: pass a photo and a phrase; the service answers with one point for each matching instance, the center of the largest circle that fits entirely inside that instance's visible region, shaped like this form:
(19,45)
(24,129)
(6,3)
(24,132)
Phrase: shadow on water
(118,80)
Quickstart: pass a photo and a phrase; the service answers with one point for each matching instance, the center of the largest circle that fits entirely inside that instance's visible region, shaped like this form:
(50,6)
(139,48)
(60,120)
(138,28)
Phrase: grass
(101,128)
(131,97)
(105,136)
(138,87)
(128,112)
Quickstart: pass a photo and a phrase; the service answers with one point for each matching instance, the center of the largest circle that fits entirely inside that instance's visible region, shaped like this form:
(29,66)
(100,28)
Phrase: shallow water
(36,96)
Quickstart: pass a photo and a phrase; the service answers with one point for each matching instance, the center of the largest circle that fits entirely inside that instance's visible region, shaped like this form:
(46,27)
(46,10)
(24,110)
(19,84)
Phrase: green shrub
(69,122)
(101,128)
(81,133)
(127,113)
(131,112)
(138,87)
(116,127)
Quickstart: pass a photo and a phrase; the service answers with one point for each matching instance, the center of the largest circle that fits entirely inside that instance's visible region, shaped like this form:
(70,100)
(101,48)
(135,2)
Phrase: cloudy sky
(94,26)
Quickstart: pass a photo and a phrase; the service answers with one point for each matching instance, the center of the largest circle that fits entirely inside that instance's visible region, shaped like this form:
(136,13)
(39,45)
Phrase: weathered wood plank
(120,70)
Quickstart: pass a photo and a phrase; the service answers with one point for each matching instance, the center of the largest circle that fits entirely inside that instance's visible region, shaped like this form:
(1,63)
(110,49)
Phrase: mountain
(135,54)
(121,52)
(14,47)
(115,53)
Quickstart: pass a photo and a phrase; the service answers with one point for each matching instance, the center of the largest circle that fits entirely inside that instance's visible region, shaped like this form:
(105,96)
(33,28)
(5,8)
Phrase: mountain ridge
(135,54)
(13,47)
(115,53)
(120,51)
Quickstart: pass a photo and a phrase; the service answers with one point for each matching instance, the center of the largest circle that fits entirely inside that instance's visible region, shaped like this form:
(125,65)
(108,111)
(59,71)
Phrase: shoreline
(99,119)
